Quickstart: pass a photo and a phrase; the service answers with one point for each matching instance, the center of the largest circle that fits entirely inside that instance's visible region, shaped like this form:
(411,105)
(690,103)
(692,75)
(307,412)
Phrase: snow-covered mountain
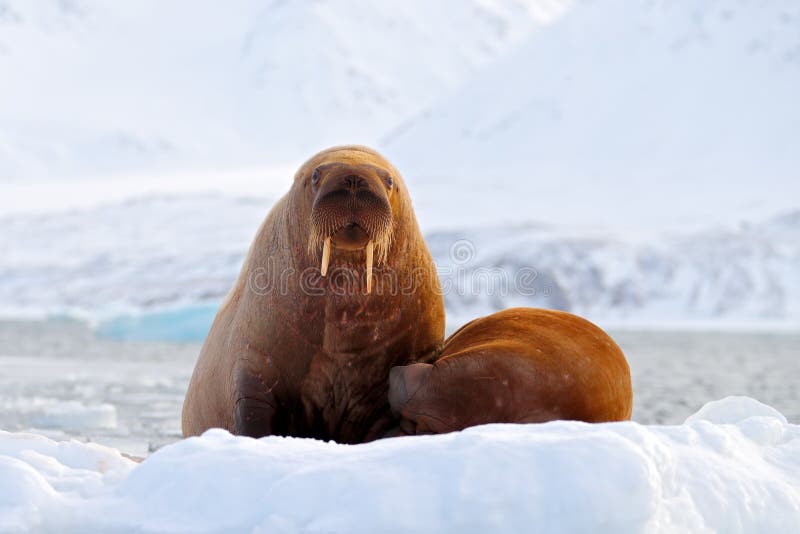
(738,275)
(636,160)
(631,113)
(155,259)
(90,87)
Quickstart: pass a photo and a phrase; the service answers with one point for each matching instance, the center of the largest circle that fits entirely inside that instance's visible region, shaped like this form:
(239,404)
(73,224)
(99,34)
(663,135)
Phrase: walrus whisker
(369,266)
(326,256)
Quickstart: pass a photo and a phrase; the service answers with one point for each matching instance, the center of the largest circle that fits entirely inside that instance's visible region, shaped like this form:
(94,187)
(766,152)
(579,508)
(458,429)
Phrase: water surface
(59,379)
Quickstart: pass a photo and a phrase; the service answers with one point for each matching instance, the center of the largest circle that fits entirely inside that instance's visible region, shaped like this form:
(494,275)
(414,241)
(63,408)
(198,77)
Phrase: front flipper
(255,409)
(404,382)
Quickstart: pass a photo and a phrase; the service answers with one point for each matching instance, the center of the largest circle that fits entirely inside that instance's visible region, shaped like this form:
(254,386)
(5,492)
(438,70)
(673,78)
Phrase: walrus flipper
(255,410)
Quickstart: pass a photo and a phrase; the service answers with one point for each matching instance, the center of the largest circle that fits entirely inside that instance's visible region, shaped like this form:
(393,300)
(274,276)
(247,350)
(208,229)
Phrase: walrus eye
(315,177)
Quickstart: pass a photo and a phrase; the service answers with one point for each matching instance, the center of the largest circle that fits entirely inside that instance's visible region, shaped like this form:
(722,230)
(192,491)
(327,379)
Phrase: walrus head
(351,211)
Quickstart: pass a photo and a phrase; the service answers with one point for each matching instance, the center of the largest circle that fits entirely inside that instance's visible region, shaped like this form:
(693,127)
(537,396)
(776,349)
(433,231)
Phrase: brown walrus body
(521,365)
(304,343)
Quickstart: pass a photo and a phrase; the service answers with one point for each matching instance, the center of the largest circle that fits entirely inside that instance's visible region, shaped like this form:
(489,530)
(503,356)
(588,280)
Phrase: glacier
(732,467)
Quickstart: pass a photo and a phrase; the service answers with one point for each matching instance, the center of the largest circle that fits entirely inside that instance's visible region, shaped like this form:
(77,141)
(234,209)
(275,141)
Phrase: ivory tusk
(370,247)
(326,256)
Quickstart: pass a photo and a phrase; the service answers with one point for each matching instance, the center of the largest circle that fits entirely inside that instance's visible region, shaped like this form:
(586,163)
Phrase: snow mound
(555,477)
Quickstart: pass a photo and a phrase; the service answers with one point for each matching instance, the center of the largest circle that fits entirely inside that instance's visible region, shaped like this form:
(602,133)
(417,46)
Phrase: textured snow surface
(733,467)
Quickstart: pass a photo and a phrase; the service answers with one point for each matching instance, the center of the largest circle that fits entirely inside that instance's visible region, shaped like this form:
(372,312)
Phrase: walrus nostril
(354,182)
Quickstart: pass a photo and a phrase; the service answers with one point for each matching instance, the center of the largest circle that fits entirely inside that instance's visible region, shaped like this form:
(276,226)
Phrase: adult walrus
(520,365)
(337,288)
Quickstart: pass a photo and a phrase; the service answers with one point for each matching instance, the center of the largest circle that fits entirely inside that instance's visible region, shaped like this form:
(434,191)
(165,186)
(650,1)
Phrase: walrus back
(561,365)
(521,365)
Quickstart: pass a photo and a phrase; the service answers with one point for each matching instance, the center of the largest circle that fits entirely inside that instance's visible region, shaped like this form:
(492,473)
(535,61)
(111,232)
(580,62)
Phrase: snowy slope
(622,113)
(164,257)
(639,157)
(733,467)
(140,254)
(90,87)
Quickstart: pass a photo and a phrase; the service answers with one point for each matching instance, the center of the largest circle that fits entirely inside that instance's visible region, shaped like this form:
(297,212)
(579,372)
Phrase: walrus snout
(346,182)
(350,237)
(351,211)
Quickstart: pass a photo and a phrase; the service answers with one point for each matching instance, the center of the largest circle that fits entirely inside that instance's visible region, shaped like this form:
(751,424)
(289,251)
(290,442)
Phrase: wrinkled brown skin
(521,365)
(317,365)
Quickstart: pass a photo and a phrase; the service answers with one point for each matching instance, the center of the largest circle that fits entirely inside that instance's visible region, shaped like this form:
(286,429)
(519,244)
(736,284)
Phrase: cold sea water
(59,379)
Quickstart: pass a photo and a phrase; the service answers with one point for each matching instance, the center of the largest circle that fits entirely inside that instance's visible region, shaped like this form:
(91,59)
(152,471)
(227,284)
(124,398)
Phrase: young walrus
(521,365)
(338,287)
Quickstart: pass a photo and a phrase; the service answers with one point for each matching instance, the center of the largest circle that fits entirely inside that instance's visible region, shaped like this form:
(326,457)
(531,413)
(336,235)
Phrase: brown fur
(309,361)
(521,365)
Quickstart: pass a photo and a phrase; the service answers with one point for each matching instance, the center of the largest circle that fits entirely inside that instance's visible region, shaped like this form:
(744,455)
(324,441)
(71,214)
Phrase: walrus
(520,365)
(337,288)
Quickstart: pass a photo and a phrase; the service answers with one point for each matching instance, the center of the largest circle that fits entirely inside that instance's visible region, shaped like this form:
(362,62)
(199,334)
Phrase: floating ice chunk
(190,323)
(733,409)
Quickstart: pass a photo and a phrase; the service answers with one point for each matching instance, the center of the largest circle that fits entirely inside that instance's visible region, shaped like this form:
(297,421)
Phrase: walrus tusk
(326,256)
(370,248)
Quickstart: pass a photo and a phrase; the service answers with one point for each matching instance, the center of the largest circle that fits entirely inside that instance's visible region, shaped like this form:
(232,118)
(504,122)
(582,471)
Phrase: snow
(634,115)
(733,467)
(98,89)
